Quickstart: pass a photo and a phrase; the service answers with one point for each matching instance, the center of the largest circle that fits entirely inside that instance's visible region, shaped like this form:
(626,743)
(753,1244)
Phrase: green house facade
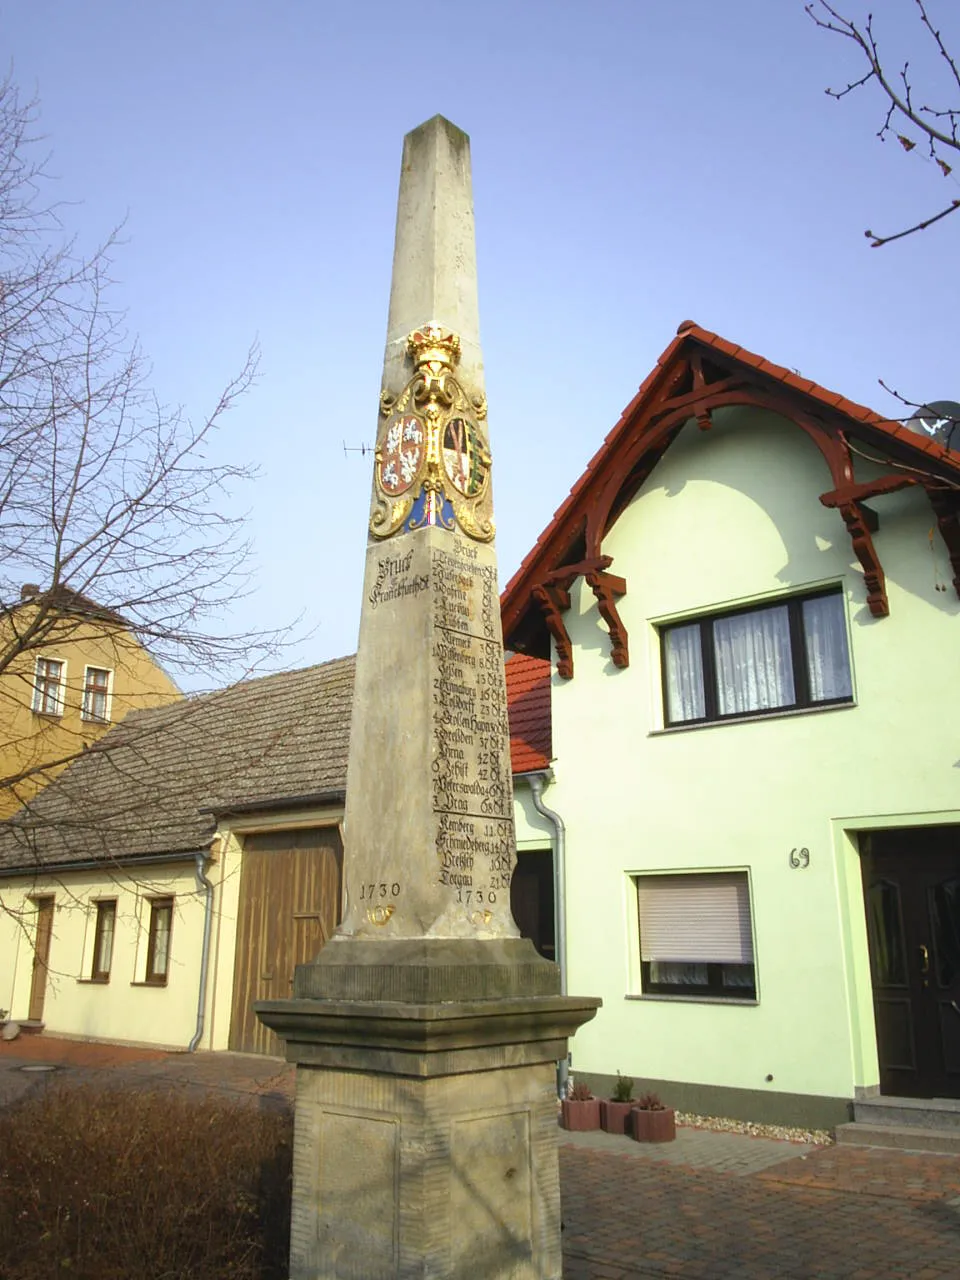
(749,603)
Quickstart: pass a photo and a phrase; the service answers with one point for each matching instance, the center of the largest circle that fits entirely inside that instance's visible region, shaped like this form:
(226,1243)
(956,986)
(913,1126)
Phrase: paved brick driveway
(837,1213)
(710,1206)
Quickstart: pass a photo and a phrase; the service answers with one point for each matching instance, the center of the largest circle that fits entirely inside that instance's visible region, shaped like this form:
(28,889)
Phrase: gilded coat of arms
(432,459)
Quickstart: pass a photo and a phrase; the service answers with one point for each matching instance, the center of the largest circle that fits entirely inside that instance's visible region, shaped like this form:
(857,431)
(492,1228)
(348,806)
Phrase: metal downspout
(205,884)
(537,781)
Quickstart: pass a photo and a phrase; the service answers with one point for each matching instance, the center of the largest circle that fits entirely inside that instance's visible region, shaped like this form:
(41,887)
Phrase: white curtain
(754,669)
(684,674)
(828,660)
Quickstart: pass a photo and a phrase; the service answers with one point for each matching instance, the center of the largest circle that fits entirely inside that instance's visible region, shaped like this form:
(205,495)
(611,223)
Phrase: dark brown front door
(911,886)
(41,957)
(290,885)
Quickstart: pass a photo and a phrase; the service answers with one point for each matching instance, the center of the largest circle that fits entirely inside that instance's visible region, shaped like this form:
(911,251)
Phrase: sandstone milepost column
(426,1031)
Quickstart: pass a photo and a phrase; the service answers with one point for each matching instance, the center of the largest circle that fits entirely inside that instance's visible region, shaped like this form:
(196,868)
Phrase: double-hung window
(48,684)
(103,940)
(696,937)
(777,657)
(96,694)
(158,941)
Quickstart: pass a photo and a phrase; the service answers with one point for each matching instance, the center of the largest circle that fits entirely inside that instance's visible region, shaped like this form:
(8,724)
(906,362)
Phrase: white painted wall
(124,1008)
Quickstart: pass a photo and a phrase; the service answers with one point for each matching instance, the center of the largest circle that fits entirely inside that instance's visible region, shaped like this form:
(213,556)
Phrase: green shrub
(623,1089)
(125,1184)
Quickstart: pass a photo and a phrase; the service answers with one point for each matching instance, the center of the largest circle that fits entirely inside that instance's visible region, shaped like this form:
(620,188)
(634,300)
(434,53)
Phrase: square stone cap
(427,970)
(430,1028)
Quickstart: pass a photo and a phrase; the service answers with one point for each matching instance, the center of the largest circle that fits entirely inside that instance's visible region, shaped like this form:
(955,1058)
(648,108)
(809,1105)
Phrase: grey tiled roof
(144,787)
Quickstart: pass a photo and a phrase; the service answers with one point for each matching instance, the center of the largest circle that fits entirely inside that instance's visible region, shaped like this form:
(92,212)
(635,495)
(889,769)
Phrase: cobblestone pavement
(711,1206)
(835,1213)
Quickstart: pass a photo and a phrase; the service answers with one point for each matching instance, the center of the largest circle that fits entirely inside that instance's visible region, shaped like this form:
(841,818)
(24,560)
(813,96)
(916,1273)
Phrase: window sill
(94,719)
(48,715)
(758,717)
(726,1000)
(94,982)
(150,982)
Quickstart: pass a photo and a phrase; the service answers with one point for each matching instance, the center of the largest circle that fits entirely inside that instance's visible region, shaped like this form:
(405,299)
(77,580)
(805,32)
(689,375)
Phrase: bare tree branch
(937,126)
(106,493)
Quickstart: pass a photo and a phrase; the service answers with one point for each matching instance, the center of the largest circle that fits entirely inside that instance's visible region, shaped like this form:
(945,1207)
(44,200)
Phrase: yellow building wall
(28,740)
(731,517)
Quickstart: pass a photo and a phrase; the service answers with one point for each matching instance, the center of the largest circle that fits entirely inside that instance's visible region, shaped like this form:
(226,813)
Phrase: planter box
(615,1116)
(580,1116)
(654,1126)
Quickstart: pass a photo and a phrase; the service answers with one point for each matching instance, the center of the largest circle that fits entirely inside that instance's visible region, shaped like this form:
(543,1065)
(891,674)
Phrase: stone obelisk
(426,1031)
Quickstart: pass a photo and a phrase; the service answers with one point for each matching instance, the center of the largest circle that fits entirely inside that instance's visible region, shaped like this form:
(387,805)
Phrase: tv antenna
(362,449)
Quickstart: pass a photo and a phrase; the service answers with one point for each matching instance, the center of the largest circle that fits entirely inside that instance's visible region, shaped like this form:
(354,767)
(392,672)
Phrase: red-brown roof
(528,707)
(553,547)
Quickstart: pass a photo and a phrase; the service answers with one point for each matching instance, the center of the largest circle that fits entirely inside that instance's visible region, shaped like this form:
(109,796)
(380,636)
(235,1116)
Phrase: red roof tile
(528,708)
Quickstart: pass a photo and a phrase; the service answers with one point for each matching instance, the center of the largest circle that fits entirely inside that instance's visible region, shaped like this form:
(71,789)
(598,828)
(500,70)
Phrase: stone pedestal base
(426,1136)
(449,1177)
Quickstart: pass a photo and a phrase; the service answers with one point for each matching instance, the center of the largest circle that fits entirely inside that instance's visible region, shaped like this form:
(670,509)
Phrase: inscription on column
(472,795)
(396,579)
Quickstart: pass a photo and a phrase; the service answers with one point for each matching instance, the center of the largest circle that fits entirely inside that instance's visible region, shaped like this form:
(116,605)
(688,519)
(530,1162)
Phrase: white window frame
(37,705)
(727,940)
(85,713)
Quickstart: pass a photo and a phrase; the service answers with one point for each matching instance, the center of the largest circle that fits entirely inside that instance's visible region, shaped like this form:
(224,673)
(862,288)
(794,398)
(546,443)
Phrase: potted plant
(581,1110)
(615,1110)
(652,1121)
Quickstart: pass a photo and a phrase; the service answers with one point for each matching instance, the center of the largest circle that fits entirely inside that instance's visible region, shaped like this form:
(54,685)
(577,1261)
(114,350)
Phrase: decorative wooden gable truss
(698,373)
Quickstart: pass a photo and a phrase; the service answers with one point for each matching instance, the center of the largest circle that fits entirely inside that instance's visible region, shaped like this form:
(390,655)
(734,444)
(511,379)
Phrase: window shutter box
(693,919)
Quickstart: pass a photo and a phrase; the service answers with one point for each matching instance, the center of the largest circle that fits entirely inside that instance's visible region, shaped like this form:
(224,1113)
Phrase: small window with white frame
(49,682)
(97,688)
(696,935)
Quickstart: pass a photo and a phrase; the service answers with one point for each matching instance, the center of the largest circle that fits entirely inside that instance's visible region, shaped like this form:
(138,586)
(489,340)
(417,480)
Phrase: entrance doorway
(531,899)
(911,887)
(290,891)
(41,957)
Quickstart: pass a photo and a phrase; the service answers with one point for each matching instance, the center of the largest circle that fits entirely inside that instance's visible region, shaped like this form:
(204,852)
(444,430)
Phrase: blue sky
(635,164)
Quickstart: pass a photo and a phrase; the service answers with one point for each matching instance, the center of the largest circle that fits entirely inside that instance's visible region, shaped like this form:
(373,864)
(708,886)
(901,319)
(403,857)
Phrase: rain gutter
(203,883)
(537,782)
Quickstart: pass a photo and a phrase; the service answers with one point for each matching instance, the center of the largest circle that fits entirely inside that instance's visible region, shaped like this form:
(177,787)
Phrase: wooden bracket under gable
(605,586)
(946,507)
(553,597)
(554,601)
(704,420)
(862,522)
(858,526)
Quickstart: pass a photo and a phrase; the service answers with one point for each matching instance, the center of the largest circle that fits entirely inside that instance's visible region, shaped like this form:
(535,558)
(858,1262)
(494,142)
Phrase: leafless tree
(105,492)
(909,115)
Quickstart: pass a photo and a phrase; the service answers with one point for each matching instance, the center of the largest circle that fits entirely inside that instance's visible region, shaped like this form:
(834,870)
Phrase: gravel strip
(721,1124)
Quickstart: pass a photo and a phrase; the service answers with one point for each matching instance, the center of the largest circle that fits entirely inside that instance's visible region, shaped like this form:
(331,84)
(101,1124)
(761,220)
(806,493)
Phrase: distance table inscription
(472,792)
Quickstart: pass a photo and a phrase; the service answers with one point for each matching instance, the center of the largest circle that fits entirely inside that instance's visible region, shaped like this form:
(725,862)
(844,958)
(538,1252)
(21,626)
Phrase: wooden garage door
(290,888)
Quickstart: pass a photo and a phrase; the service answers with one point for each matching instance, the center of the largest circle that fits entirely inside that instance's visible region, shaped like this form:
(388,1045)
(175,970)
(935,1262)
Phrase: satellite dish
(939,420)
